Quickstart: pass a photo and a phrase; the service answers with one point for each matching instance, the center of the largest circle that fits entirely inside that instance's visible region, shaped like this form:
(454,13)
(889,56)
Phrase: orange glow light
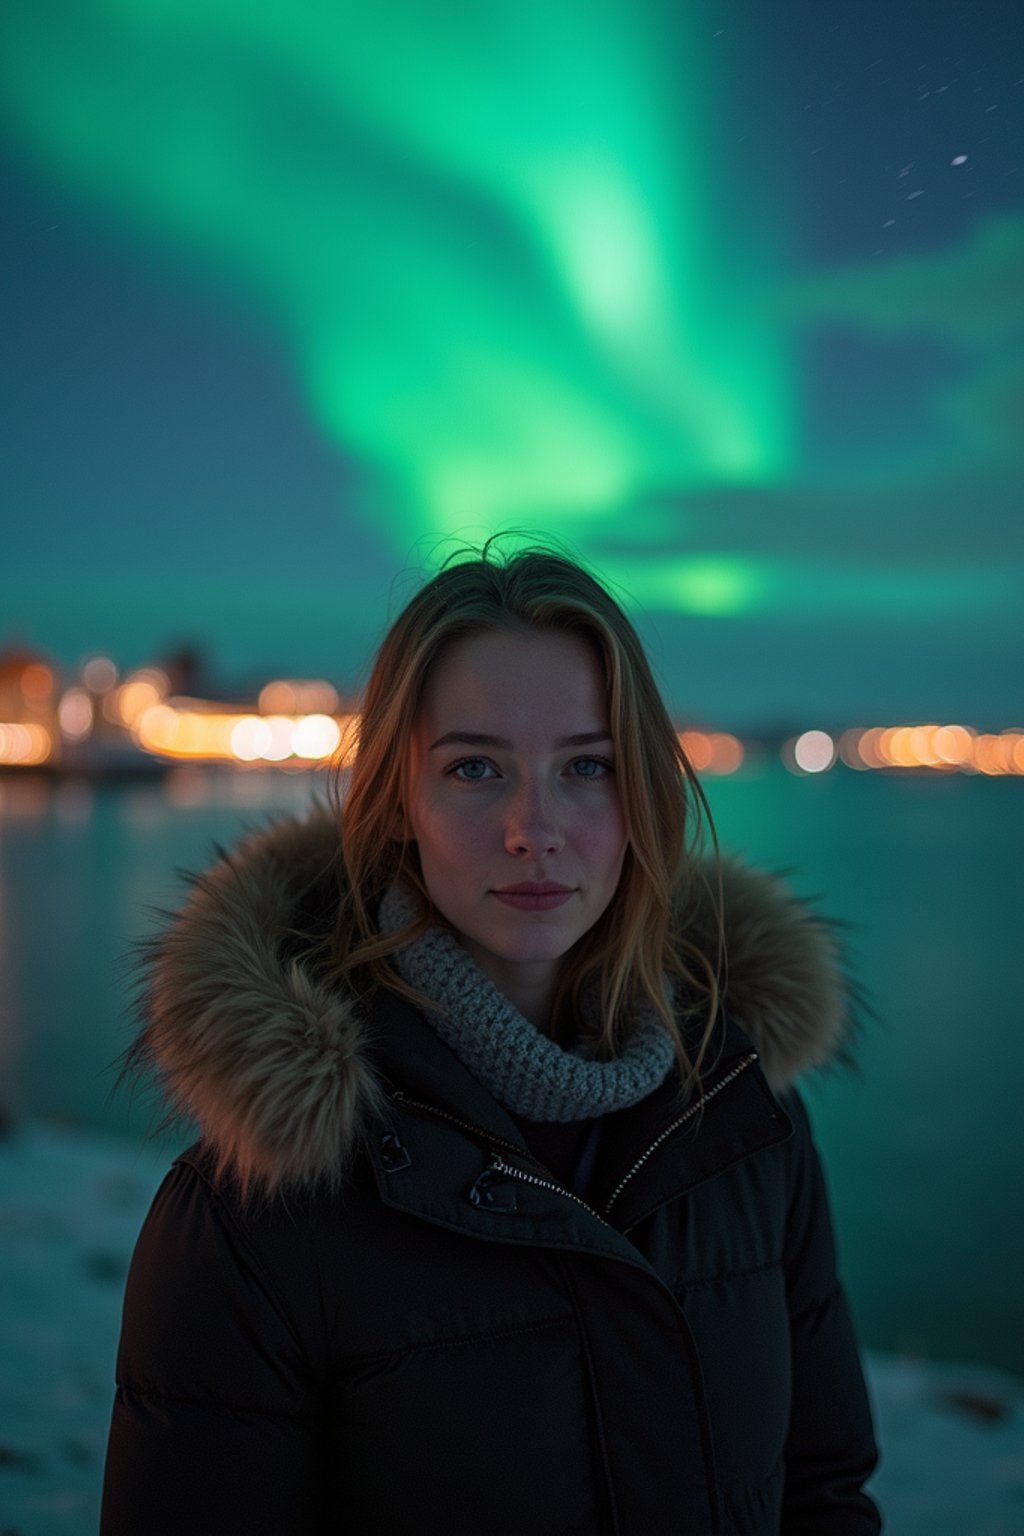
(698,749)
(869,747)
(24,746)
(922,745)
(994,755)
(952,744)
(298,696)
(37,683)
(726,753)
(277,698)
(172,731)
(897,746)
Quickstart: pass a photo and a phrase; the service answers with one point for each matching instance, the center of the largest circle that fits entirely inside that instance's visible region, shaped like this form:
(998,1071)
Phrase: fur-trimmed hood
(276,1065)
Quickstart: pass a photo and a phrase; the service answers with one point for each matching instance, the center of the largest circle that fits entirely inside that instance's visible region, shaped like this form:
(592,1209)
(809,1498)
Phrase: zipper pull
(393,1155)
(493,1190)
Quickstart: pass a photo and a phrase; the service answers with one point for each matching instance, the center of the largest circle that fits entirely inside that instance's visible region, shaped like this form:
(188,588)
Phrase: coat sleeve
(830,1447)
(216,1424)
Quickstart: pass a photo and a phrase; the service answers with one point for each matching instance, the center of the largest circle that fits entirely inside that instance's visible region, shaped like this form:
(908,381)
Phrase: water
(923,1148)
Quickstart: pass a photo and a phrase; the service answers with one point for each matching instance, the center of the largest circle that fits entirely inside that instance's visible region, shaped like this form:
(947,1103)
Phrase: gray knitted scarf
(525,1070)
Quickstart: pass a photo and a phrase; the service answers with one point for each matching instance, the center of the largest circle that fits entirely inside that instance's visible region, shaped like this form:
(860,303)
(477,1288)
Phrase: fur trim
(266,1058)
(273,1062)
(784,980)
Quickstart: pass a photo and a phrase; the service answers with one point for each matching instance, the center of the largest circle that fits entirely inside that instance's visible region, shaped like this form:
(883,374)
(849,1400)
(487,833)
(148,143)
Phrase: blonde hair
(641,935)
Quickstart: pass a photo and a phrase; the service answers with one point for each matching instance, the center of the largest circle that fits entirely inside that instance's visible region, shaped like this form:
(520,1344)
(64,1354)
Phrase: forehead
(497,676)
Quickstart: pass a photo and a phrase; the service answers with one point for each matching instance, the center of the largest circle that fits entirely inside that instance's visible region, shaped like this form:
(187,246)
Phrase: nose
(532,825)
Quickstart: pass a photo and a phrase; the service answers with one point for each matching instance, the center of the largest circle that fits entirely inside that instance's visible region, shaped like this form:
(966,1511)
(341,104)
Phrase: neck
(528,985)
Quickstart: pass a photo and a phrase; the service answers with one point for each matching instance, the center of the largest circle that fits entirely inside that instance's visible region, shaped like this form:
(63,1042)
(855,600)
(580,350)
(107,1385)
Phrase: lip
(535,901)
(534,888)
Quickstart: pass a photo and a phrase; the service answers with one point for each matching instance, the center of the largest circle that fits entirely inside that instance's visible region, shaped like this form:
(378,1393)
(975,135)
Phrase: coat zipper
(741,1066)
(499,1164)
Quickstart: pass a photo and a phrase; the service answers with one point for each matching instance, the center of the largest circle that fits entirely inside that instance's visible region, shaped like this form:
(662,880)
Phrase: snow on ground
(70,1208)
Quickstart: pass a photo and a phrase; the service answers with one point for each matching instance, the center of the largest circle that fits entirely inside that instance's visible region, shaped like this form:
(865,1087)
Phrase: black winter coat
(446,1339)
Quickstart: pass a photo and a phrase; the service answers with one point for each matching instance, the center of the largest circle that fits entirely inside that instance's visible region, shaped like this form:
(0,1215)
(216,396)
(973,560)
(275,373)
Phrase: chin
(547,947)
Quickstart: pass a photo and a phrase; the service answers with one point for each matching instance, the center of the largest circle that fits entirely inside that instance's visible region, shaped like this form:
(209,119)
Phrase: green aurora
(492,245)
(510,315)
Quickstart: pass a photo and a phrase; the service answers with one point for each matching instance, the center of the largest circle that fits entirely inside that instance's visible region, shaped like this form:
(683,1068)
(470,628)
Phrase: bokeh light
(814,751)
(99,674)
(316,737)
(24,745)
(37,683)
(75,714)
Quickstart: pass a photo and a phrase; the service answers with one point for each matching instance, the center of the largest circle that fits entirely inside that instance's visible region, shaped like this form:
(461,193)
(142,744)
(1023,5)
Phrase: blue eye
(477,770)
(470,763)
(598,767)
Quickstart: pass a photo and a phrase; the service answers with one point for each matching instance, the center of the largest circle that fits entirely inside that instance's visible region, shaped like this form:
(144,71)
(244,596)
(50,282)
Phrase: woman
(500,1221)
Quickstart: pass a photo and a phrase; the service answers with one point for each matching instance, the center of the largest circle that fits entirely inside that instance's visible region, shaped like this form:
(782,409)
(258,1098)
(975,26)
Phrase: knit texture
(527,1072)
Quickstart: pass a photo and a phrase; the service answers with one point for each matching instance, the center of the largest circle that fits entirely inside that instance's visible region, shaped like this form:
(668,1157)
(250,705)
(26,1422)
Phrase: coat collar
(284,1073)
(434,1149)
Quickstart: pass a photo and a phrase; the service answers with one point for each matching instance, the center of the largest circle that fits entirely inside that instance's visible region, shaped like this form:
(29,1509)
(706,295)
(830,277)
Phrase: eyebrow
(475,739)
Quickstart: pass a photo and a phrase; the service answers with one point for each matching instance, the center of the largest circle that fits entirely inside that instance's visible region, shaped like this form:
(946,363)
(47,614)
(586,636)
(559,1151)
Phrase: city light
(99,674)
(95,724)
(317,736)
(37,683)
(715,752)
(941,749)
(217,736)
(74,714)
(141,691)
(814,751)
(24,745)
(296,696)
(952,744)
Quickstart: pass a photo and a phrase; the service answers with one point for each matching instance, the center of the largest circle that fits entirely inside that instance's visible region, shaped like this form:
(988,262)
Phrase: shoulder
(279,1228)
(204,1235)
(201,1224)
(215,1265)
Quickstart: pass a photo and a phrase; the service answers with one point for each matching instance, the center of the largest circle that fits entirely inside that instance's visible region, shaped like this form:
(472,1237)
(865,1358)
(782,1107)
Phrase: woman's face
(512,782)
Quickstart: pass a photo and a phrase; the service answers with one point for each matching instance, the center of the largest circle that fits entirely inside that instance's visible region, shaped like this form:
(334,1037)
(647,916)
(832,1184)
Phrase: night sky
(731,298)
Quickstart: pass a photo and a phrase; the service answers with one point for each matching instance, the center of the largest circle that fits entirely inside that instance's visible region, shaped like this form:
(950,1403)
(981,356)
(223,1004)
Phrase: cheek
(445,837)
(602,838)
